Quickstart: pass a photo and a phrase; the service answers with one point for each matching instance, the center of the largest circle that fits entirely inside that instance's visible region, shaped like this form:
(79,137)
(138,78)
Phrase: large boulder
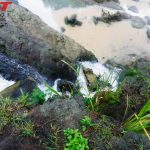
(24,37)
(66,113)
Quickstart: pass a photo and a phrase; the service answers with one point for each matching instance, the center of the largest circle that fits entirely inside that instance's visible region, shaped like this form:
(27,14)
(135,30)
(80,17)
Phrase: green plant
(139,122)
(26,129)
(75,140)
(89,101)
(24,99)
(87,122)
(52,92)
(6,112)
(131,72)
(37,97)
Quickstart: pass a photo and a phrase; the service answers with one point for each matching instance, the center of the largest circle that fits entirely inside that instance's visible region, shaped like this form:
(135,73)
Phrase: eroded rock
(137,22)
(66,113)
(27,39)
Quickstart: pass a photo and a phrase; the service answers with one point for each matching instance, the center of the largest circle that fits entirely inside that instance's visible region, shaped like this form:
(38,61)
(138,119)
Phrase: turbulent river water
(118,40)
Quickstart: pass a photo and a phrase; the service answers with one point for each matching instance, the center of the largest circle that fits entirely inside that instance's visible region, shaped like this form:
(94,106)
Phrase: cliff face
(24,37)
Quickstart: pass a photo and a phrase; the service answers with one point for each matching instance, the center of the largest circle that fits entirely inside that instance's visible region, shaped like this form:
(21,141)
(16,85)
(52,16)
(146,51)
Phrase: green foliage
(10,115)
(131,72)
(141,122)
(37,97)
(26,129)
(75,140)
(89,101)
(24,99)
(6,109)
(87,122)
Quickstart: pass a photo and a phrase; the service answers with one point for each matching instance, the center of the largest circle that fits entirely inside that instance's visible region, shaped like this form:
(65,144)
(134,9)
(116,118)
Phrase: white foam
(82,83)
(44,88)
(5,83)
(99,70)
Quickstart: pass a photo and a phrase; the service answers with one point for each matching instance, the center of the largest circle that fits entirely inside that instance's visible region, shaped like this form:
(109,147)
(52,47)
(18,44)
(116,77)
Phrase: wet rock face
(137,22)
(27,39)
(91,79)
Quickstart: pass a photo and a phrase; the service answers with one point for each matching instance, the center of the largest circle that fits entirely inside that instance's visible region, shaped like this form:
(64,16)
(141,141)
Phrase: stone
(72,21)
(28,40)
(137,22)
(91,78)
(66,113)
(148,33)
(133,9)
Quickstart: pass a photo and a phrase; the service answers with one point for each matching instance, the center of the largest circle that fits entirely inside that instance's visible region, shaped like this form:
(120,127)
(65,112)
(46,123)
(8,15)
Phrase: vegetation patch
(75,140)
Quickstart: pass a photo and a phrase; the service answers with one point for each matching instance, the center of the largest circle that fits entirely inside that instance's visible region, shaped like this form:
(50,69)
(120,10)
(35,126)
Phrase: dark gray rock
(64,85)
(72,21)
(66,113)
(148,32)
(137,22)
(125,15)
(96,20)
(133,9)
(24,37)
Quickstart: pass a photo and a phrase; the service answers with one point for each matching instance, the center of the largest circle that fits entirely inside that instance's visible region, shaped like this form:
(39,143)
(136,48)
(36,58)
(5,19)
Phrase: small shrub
(6,112)
(86,122)
(139,122)
(37,97)
(75,140)
(26,129)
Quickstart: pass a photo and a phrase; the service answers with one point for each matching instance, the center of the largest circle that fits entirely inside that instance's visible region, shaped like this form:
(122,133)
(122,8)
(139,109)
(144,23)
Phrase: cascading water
(99,70)
(10,69)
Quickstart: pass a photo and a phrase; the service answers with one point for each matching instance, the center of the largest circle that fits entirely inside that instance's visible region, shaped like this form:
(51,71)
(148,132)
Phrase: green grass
(139,122)
(11,115)
(75,140)
(27,129)
(6,112)
(87,122)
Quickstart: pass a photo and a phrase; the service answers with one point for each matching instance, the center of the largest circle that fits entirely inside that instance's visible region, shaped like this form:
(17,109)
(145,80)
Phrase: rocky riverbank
(62,97)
